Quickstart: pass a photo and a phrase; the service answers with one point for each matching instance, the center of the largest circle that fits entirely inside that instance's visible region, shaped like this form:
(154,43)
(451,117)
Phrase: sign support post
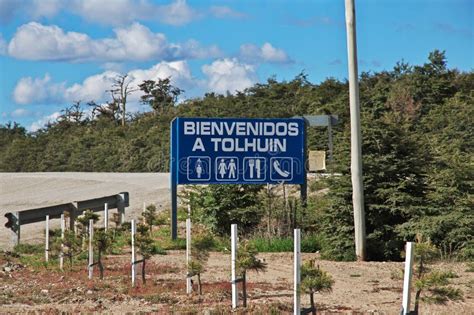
(174,164)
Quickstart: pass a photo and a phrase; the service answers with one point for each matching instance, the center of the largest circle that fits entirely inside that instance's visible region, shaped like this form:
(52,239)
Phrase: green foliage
(309,244)
(434,284)
(146,246)
(72,246)
(102,240)
(314,279)
(150,216)
(247,259)
(85,217)
(219,206)
(24,248)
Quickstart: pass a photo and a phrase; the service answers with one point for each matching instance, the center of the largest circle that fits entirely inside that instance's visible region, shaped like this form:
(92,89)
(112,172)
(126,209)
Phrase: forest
(417,130)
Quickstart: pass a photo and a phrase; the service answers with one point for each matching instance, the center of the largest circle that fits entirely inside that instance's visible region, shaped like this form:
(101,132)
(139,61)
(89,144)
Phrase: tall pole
(356,150)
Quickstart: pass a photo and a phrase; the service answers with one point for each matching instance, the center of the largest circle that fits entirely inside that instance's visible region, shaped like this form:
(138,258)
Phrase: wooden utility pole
(356,138)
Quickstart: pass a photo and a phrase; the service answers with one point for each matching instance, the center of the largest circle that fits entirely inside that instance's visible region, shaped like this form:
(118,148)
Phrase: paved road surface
(21,191)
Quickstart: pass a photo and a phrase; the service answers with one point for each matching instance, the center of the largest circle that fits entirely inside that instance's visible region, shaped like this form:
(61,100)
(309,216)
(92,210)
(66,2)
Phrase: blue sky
(55,52)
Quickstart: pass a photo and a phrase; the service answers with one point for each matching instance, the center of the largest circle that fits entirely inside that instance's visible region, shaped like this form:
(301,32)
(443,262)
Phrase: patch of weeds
(182,214)
(441,295)
(29,248)
(355,275)
(451,274)
(470,267)
(160,299)
(396,274)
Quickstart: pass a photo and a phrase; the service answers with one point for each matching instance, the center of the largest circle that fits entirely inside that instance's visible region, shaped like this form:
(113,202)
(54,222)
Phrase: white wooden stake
(407,278)
(61,255)
(189,211)
(297,272)
(106,216)
(91,250)
(46,247)
(132,224)
(144,207)
(189,287)
(233,241)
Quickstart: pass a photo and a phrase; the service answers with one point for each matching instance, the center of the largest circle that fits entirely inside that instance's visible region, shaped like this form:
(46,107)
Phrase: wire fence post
(297,272)
(407,279)
(132,226)
(91,250)
(61,254)
(106,216)
(189,286)
(235,297)
(46,245)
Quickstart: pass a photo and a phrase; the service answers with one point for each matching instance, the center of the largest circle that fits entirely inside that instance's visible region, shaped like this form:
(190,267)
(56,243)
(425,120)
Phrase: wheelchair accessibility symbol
(281,168)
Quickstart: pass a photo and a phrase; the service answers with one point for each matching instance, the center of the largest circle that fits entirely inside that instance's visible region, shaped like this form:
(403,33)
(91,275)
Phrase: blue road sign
(238,151)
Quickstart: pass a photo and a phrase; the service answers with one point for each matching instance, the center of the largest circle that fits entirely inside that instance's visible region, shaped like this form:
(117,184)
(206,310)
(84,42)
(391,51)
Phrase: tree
(72,245)
(314,280)
(84,218)
(145,246)
(247,261)
(159,95)
(434,282)
(102,240)
(120,91)
(218,206)
(149,217)
(201,244)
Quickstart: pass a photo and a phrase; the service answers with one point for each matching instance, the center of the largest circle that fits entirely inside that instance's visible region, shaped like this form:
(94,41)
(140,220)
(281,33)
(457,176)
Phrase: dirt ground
(360,288)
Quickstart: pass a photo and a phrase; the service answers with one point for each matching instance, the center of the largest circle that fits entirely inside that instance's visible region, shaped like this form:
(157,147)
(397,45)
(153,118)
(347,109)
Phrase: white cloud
(40,123)
(266,53)
(37,90)
(20,112)
(34,41)
(120,12)
(45,8)
(229,75)
(224,12)
(96,87)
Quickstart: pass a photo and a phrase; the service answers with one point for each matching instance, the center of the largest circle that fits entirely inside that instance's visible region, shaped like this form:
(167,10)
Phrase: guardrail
(18,218)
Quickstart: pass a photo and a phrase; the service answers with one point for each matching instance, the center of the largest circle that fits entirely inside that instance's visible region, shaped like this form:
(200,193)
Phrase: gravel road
(22,191)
